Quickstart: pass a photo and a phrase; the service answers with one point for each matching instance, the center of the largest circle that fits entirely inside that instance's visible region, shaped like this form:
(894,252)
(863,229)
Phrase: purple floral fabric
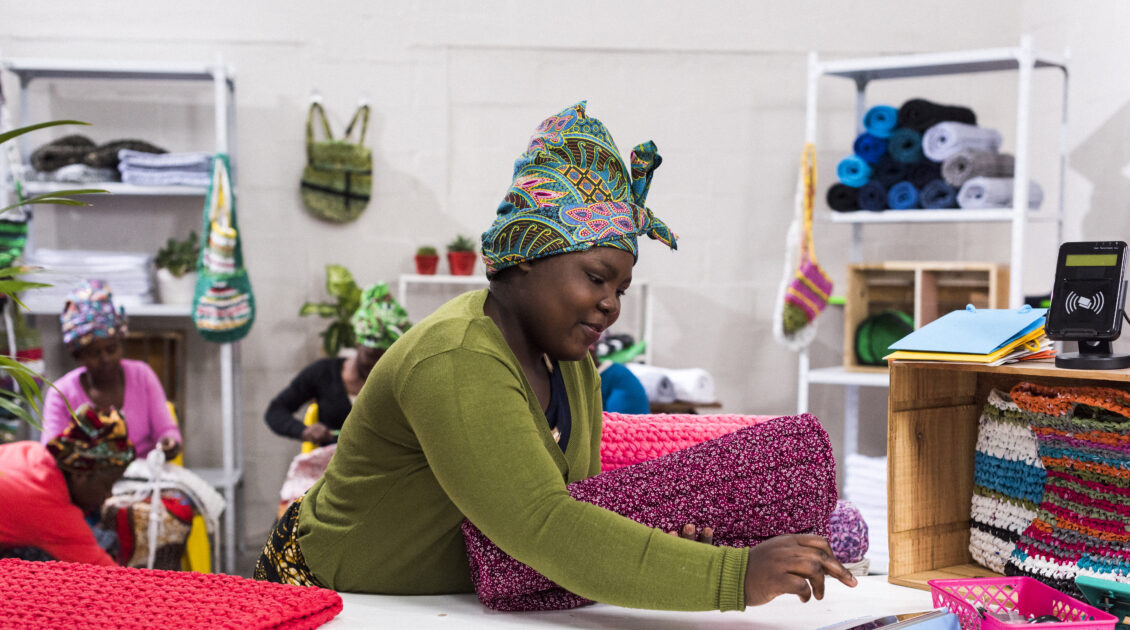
(778,477)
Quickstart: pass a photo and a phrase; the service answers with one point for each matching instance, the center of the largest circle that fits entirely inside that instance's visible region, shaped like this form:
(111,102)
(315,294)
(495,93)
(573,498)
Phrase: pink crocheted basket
(772,478)
(631,439)
(69,595)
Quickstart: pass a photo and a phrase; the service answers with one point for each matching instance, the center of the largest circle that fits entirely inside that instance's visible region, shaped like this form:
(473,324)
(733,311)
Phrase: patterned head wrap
(380,320)
(89,314)
(92,442)
(571,191)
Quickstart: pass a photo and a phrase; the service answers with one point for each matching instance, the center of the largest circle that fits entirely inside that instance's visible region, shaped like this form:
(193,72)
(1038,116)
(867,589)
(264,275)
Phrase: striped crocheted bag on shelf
(1008,482)
(1081,525)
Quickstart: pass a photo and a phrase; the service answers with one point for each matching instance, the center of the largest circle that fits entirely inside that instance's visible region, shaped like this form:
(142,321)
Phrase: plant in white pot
(176,269)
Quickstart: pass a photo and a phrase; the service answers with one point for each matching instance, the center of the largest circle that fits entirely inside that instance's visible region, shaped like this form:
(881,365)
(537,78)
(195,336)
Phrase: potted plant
(347,298)
(426,260)
(461,256)
(176,269)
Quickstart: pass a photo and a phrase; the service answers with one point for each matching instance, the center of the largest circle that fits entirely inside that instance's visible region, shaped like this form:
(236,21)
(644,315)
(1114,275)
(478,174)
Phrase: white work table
(874,595)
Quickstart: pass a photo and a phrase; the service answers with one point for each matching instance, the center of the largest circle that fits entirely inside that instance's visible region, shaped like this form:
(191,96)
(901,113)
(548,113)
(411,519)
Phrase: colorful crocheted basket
(761,481)
(69,595)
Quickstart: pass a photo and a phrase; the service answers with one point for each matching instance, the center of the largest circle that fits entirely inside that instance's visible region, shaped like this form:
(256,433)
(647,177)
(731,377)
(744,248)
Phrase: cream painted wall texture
(456,89)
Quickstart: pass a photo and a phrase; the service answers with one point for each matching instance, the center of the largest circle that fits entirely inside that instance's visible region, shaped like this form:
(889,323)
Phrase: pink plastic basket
(1029,597)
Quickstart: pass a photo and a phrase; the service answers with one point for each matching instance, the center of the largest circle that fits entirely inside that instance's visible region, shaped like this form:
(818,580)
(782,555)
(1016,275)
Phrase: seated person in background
(93,330)
(334,382)
(620,390)
(49,490)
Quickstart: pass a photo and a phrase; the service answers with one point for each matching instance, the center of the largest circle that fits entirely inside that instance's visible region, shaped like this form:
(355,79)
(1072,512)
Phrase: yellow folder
(1031,340)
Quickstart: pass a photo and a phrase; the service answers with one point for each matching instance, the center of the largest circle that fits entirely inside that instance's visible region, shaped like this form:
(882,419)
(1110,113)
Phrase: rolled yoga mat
(888,171)
(880,120)
(995,192)
(872,196)
(923,172)
(902,196)
(937,194)
(947,139)
(774,478)
(656,384)
(905,145)
(843,198)
(969,163)
(853,171)
(920,114)
(869,147)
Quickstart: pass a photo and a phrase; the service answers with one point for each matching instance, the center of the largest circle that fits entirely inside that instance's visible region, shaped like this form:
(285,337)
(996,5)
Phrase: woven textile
(629,439)
(571,191)
(773,478)
(1008,482)
(68,595)
(1080,526)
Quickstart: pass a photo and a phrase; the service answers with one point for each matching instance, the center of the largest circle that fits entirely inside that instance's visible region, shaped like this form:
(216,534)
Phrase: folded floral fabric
(873,196)
(774,478)
(870,147)
(995,192)
(902,196)
(937,194)
(969,163)
(843,198)
(853,171)
(880,120)
(628,439)
(947,139)
(905,145)
(920,114)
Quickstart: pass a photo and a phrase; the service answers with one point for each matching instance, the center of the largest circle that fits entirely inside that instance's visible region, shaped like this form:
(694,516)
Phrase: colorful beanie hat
(571,191)
(89,314)
(380,320)
(92,442)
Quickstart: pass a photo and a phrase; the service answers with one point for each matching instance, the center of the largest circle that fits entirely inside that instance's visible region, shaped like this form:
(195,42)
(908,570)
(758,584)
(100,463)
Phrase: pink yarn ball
(847,533)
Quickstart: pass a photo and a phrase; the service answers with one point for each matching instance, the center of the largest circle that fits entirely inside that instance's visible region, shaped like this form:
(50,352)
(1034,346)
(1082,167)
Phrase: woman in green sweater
(486,409)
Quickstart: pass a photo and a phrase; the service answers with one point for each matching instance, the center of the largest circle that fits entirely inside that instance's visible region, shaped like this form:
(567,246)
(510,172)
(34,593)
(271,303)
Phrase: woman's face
(570,299)
(101,358)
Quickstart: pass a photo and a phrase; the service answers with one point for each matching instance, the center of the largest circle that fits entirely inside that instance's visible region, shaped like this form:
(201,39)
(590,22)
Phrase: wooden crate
(931,439)
(924,290)
(163,350)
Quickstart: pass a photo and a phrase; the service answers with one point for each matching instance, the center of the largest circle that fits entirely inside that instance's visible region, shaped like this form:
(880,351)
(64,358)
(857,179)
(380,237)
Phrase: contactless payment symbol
(1075,302)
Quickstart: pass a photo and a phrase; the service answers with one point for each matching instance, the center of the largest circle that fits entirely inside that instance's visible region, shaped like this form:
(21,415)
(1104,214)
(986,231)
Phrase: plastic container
(971,599)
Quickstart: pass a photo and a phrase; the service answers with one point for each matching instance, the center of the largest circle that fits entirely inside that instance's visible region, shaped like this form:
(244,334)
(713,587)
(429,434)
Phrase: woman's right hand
(317,433)
(793,563)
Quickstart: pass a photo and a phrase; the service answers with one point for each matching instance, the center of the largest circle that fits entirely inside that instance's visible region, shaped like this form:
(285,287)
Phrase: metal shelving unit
(861,71)
(226,478)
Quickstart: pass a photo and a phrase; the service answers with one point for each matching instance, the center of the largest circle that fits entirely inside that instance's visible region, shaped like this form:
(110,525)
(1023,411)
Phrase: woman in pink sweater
(93,331)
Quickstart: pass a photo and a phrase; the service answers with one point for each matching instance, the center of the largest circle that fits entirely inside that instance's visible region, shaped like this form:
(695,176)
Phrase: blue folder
(973,330)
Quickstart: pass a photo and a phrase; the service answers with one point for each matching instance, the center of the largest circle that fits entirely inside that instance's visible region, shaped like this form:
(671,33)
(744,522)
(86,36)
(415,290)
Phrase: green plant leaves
(15,133)
(340,285)
(57,198)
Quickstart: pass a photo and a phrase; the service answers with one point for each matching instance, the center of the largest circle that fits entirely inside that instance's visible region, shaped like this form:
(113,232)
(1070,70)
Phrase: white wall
(456,89)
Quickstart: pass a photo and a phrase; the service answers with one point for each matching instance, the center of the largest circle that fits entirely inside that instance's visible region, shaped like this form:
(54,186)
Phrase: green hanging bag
(339,174)
(223,307)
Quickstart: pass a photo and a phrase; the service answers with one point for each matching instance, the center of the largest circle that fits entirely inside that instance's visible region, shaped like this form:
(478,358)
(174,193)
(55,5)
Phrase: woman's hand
(170,446)
(690,532)
(794,563)
(317,433)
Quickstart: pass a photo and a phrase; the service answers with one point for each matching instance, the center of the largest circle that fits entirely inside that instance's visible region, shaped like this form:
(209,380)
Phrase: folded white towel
(995,192)
(948,138)
(656,384)
(188,160)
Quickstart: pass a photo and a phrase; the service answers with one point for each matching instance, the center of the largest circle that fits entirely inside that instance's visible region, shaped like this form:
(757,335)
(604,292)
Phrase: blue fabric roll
(905,145)
(869,147)
(903,196)
(888,172)
(938,194)
(872,196)
(922,173)
(880,120)
(853,171)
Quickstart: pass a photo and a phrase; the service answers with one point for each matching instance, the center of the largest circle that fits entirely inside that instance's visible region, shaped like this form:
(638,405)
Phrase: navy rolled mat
(905,145)
(843,198)
(937,194)
(872,196)
(922,173)
(920,114)
(889,171)
(869,147)
(903,196)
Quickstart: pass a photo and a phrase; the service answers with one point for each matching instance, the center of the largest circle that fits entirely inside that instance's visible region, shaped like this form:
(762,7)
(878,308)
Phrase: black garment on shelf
(321,382)
(923,172)
(106,155)
(872,196)
(920,114)
(843,198)
(62,152)
(889,171)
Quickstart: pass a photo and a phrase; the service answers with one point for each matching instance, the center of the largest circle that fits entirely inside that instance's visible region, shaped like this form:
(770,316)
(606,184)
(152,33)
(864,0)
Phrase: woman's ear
(525,267)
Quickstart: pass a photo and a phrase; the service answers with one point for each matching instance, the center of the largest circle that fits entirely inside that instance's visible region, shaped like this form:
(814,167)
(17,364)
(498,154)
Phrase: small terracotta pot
(426,265)
(461,263)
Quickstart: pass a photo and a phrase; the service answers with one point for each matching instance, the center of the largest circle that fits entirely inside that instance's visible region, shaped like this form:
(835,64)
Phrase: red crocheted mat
(69,595)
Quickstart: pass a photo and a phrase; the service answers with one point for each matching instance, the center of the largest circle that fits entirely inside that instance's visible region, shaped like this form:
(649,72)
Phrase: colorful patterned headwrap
(92,442)
(571,191)
(380,320)
(89,314)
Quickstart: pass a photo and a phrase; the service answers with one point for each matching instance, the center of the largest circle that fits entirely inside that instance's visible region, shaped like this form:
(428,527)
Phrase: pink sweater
(146,414)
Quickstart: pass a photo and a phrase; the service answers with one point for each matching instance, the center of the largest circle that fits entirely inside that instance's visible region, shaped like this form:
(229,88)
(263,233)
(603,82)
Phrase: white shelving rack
(227,478)
(861,71)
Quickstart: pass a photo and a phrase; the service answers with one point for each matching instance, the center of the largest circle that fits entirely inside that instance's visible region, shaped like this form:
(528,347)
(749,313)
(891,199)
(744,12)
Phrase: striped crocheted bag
(1008,482)
(1081,526)
(338,177)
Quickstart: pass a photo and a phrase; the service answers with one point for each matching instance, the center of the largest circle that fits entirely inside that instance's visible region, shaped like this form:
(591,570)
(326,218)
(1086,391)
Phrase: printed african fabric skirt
(281,561)
(777,477)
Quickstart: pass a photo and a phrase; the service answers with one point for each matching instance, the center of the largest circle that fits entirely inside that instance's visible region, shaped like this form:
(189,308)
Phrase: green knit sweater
(446,427)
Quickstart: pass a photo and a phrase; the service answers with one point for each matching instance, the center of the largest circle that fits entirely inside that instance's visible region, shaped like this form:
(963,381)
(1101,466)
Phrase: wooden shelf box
(923,290)
(931,440)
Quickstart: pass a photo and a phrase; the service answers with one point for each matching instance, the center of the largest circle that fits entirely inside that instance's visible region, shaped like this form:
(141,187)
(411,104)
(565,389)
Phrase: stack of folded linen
(130,276)
(165,169)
